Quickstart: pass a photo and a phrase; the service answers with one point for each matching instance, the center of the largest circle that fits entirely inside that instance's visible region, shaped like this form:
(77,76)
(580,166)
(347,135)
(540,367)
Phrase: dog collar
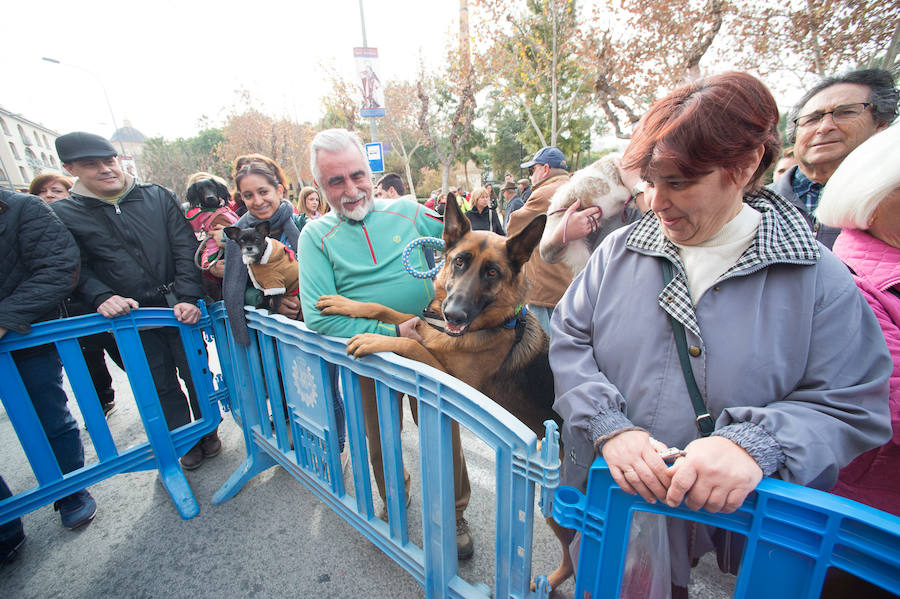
(517,320)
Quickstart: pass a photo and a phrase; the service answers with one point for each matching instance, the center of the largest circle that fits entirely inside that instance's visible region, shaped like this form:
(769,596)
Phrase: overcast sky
(165,64)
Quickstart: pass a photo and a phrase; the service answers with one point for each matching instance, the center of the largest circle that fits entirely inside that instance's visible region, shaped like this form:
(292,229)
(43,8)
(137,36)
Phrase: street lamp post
(102,87)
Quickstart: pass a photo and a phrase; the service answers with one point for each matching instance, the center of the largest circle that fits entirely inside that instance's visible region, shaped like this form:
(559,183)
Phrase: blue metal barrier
(286,364)
(794,534)
(162,449)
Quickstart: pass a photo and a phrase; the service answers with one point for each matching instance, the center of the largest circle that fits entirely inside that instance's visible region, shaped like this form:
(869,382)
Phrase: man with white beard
(356,251)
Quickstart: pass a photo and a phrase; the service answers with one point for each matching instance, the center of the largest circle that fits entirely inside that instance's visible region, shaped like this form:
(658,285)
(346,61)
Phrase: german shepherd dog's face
(480,285)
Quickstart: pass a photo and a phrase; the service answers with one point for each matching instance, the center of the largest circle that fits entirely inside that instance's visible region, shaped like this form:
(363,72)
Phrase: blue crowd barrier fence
(288,365)
(793,535)
(162,448)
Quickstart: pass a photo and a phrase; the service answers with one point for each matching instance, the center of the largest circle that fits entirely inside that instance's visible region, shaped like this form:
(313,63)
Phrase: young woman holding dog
(263,195)
(790,363)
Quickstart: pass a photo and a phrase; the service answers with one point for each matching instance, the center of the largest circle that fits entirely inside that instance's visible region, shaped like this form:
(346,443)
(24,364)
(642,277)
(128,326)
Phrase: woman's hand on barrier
(635,465)
(290,307)
(716,474)
(186,313)
(117,305)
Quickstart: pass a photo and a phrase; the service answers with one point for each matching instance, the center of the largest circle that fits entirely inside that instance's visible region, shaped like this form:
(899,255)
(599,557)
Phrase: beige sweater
(277,272)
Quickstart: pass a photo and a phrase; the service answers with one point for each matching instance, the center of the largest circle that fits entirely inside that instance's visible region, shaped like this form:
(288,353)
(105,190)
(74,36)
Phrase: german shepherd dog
(484,337)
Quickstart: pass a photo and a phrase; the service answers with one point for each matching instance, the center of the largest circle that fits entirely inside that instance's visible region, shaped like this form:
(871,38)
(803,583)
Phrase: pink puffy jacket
(872,478)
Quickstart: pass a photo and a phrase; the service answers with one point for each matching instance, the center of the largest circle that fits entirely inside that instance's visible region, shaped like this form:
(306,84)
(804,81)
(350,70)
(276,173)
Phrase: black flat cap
(77,145)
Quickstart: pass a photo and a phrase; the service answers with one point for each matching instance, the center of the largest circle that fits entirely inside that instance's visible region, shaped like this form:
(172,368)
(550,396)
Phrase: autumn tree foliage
(342,104)
(170,163)
(400,125)
(533,65)
(447,102)
(642,48)
(816,37)
(249,130)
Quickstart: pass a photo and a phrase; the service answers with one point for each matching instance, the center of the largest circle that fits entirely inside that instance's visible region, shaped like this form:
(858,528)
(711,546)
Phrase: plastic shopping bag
(647,566)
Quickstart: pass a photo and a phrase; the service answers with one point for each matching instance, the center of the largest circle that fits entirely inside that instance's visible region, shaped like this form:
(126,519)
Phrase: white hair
(865,178)
(333,141)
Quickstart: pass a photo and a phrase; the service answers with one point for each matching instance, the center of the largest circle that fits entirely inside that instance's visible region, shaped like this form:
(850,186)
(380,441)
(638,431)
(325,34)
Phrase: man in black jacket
(137,249)
(39,268)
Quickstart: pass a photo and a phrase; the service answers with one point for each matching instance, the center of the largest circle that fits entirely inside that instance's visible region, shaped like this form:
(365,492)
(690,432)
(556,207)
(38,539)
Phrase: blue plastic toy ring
(429,242)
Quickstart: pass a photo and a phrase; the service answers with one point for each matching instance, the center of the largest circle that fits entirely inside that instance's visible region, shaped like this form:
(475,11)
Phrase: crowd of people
(742,330)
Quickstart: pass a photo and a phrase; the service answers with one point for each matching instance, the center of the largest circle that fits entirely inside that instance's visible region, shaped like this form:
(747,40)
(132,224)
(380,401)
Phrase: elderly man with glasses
(828,122)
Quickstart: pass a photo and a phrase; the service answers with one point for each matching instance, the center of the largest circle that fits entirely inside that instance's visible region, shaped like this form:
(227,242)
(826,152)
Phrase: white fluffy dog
(596,185)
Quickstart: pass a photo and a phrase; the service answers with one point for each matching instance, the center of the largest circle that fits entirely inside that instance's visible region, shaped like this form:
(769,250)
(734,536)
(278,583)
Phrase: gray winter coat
(793,365)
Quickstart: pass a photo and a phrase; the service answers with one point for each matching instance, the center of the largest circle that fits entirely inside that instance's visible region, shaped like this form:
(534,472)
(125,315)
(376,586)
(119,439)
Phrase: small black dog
(206,193)
(272,266)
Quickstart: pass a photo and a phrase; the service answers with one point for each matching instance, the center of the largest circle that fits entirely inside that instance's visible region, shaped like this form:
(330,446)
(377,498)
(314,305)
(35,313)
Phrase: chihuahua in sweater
(272,266)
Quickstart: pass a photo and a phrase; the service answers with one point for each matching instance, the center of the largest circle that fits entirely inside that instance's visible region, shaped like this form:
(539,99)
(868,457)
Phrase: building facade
(27,150)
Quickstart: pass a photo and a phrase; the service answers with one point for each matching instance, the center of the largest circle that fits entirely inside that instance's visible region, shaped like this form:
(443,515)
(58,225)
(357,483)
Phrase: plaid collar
(783,237)
(807,190)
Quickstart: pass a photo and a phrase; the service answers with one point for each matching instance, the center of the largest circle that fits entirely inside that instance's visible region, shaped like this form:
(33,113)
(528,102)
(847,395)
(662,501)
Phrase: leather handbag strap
(705,422)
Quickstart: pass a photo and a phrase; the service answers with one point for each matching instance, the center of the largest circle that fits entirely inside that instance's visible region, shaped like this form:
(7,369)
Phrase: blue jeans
(338,405)
(41,371)
(542,313)
(14,526)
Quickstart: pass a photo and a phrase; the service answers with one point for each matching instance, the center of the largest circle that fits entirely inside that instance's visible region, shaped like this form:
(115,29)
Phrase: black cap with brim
(79,145)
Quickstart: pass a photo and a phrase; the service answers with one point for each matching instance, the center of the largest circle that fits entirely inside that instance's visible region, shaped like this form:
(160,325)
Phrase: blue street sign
(375,154)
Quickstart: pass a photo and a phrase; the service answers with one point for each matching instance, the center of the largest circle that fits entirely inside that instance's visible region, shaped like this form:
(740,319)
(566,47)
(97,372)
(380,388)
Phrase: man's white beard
(358,213)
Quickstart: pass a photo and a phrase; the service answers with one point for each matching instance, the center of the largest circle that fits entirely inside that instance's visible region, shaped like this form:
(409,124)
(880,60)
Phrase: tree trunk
(891,55)
(445,176)
(409,179)
(554,100)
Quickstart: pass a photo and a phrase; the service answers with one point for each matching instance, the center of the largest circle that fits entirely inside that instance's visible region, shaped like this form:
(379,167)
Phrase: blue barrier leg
(158,435)
(255,463)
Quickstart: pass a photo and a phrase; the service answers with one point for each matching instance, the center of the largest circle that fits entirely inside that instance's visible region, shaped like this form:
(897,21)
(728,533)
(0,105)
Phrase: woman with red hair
(715,328)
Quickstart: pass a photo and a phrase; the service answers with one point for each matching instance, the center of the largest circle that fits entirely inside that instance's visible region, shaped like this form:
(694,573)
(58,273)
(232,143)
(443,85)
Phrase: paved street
(274,539)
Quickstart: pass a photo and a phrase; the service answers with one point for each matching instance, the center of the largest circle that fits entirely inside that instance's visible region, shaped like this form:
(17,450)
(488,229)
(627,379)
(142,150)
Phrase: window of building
(15,151)
(53,161)
(25,176)
(5,128)
(46,143)
(25,139)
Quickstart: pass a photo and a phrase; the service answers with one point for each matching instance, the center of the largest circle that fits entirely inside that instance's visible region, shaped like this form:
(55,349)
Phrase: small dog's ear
(232,232)
(263,228)
(456,225)
(520,246)
(222,192)
(191,197)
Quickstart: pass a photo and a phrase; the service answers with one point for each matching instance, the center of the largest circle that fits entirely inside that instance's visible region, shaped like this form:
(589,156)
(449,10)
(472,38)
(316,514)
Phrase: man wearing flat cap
(547,171)
(137,250)
(511,200)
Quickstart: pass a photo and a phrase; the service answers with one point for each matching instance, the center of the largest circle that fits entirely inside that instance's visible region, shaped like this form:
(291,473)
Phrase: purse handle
(705,422)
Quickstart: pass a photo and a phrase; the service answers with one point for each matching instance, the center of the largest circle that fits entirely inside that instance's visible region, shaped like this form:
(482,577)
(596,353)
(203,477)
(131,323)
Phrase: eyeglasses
(532,168)
(840,115)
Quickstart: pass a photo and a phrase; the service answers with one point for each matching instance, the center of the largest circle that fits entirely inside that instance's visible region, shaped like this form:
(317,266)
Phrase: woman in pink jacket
(863,199)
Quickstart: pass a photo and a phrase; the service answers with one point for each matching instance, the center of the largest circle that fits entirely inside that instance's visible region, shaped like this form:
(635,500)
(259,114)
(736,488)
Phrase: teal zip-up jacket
(362,261)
